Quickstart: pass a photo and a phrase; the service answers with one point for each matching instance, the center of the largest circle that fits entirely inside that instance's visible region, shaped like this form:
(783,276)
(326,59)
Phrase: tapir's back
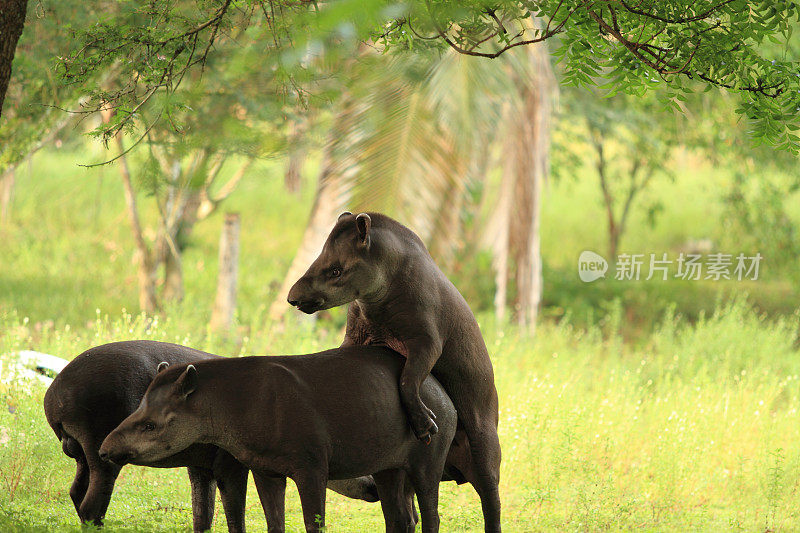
(345,400)
(362,376)
(106,383)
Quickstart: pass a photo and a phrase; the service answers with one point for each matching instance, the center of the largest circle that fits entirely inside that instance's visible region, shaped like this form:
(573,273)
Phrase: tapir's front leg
(272,493)
(204,493)
(422,354)
(231,478)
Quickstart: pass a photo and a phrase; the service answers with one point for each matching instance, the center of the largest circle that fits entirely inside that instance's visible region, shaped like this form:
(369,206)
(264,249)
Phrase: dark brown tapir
(399,298)
(332,415)
(104,385)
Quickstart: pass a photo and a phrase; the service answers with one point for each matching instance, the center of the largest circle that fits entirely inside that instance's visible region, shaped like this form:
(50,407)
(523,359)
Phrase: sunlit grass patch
(694,428)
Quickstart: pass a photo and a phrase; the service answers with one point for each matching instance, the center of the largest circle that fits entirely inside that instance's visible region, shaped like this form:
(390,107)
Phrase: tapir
(99,389)
(398,297)
(313,418)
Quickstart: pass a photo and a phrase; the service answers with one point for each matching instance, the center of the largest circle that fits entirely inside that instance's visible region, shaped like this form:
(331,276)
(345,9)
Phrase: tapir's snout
(120,458)
(298,292)
(301,296)
(115,454)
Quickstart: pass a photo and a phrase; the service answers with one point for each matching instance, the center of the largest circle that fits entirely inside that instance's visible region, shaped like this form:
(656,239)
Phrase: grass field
(698,430)
(657,406)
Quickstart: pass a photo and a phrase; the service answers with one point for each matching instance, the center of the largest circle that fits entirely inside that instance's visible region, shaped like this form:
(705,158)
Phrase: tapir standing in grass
(399,298)
(332,415)
(102,386)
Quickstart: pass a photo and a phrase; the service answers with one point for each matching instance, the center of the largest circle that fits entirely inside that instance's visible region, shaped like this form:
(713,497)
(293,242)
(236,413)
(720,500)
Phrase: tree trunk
(170,248)
(298,125)
(144,259)
(6,193)
(12,22)
(608,199)
(296,157)
(498,231)
(293,173)
(225,303)
(173,274)
(517,214)
(613,243)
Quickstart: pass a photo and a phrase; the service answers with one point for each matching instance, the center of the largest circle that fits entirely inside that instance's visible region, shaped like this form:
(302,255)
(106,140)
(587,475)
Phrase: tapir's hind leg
(426,486)
(102,476)
(411,507)
(480,425)
(395,493)
(204,492)
(80,484)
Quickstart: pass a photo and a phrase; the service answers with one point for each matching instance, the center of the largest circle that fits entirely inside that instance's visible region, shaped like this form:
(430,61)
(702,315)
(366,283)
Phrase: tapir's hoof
(425,434)
(430,413)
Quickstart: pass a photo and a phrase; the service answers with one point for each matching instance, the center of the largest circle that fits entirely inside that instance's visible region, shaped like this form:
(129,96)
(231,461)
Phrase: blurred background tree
(224,119)
(407,120)
(32,118)
(631,140)
(416,136)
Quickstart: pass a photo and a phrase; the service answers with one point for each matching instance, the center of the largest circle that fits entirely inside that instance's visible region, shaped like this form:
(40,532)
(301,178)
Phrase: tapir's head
(348,268)
(164,423)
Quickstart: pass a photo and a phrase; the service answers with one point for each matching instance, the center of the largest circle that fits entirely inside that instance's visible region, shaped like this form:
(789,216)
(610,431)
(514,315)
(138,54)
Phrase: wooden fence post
(225,303)
(6,193)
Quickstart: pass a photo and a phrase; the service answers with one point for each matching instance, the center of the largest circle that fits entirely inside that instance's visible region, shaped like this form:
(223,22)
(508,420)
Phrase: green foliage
(757,212)
(632,48)
(631,140)
(36,90)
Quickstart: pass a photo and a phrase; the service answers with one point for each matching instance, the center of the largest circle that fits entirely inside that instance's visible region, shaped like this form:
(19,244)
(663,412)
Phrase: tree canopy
(629,46)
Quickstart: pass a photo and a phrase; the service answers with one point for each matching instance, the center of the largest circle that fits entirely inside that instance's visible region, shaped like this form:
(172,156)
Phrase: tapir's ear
(161,366)
(187,382)
(363,223)
(345,214)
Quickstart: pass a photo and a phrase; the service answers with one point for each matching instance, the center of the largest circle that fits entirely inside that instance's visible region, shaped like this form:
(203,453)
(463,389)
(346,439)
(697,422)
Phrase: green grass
(696,429)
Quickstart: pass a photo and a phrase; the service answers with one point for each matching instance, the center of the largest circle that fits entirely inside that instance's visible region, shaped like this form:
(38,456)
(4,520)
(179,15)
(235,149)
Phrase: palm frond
(411,140)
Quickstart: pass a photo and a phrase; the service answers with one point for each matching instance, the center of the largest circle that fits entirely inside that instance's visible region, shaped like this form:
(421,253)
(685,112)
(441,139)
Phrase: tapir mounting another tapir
(332,415)
(99,389)
(400,298)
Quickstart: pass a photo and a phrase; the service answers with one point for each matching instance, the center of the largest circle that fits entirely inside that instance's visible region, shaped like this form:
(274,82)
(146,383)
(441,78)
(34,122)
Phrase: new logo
(591,266)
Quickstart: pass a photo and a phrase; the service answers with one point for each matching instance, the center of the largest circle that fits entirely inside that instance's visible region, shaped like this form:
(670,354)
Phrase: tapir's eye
(335,272)
(148,426)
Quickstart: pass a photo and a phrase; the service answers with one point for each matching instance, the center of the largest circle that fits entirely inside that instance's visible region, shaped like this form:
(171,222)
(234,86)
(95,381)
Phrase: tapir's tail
(54,407)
